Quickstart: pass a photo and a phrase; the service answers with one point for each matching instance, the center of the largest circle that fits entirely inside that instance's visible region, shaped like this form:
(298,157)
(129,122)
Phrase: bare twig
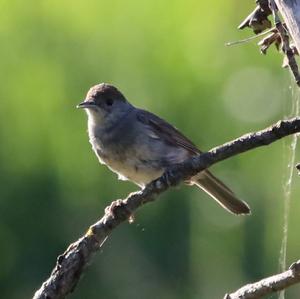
(266,42)
(258,20)
(70,265)
(250,38)
(268,285)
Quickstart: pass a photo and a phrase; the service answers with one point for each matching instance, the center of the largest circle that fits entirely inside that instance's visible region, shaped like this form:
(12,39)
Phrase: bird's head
(104,101)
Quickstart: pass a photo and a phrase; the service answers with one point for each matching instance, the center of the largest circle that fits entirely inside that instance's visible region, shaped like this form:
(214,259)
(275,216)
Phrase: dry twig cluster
(258,21)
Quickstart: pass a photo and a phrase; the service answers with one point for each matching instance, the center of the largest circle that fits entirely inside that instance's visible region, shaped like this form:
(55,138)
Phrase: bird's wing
(166,132)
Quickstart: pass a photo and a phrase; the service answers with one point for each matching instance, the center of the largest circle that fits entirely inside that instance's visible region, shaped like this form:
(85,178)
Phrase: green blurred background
(168,57)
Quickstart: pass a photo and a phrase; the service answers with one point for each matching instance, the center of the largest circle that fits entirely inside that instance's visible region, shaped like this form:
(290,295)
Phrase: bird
(139,146)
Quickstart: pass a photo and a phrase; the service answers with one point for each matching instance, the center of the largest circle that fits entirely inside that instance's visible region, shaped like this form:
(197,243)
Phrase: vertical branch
(286,47)
(290,11)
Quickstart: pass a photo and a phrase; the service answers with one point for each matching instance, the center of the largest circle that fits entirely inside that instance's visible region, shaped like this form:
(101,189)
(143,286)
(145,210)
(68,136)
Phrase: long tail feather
(221,193)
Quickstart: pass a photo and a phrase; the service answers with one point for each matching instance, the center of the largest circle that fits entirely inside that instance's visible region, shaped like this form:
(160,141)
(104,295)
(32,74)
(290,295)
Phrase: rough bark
(290,11)
(268,285)
(71,264)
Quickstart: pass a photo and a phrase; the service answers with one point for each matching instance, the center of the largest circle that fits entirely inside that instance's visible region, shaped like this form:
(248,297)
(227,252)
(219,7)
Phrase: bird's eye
(109,101)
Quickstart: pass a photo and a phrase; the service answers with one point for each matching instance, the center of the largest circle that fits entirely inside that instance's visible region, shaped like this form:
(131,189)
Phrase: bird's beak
(86,104)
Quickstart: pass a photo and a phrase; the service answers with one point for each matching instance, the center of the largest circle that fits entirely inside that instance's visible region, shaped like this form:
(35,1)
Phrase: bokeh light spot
(252,95)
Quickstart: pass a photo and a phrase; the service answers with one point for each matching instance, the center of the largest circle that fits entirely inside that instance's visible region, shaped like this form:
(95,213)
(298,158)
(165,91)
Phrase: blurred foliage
(168,57)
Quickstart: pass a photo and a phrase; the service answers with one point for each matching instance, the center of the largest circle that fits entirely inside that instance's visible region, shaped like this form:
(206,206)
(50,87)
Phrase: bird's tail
(221,193)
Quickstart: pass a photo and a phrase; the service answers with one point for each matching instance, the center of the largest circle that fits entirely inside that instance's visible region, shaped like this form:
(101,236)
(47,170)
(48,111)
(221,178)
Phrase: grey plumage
(139,146)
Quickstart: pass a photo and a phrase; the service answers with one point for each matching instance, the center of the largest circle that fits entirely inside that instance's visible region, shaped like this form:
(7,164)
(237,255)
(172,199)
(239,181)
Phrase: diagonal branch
(71,264)
(268,285)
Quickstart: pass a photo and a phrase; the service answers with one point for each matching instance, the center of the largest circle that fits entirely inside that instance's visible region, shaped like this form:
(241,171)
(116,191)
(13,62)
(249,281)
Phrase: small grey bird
(139,146)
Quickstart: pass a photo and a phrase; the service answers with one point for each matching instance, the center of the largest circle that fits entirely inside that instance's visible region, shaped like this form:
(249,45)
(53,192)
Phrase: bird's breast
(126,161)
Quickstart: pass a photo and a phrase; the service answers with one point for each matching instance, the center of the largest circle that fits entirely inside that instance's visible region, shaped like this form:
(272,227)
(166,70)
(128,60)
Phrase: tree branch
(290,11)
(268,285)
(72,262)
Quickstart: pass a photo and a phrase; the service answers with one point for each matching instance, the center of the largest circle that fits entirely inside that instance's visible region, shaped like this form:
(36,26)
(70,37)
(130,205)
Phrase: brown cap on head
(102,95)
(105,90)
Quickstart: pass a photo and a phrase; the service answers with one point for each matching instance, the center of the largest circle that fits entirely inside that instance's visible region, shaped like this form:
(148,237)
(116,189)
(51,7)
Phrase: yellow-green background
(168,57)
